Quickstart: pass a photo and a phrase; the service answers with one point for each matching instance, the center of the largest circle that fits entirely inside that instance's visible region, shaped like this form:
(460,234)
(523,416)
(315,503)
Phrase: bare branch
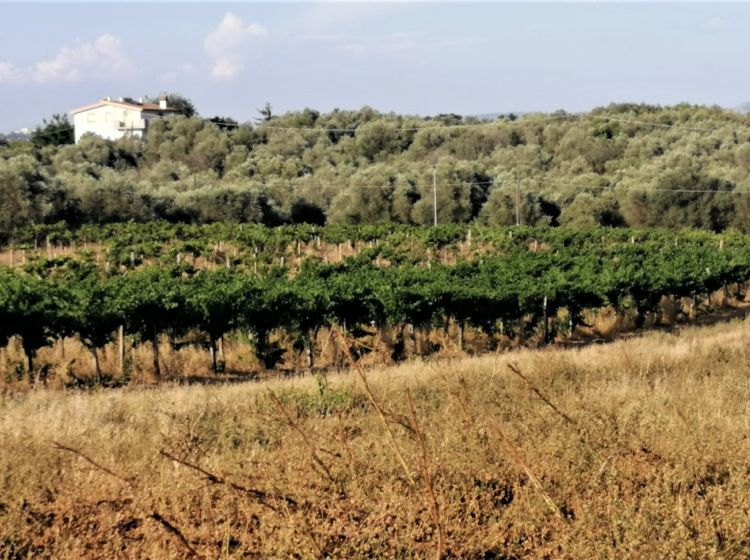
(61,447)
(380,410)
(548,402)
(174,531)
(260,495)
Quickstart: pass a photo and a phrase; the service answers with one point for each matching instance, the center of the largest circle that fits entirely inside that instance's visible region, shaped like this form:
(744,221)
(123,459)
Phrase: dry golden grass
(635,449)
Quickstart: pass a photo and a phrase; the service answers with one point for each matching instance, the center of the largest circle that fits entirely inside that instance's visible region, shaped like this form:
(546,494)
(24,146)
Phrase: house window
(91,117)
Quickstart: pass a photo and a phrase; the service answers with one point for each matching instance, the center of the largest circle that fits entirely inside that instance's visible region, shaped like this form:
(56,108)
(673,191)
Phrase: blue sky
(420,58)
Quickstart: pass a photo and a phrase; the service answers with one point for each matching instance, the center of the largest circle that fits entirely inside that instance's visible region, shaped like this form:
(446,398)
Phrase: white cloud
(717,22)
(103,57)
(721,24)
(224,45)
(226,68)
(8,74)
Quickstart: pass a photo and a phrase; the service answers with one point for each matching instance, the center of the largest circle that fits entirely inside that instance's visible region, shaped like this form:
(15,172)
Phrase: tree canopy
(622,165)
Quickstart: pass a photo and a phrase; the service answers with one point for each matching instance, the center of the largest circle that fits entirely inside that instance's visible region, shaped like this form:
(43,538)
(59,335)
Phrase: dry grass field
(635,449)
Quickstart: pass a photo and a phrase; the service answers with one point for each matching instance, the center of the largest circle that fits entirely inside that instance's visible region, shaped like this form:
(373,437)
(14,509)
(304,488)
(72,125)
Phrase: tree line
(622,165)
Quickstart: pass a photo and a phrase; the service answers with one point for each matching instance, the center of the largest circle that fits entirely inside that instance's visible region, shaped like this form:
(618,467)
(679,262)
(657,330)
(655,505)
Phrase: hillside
(16,135)
(634,165)
(632,449)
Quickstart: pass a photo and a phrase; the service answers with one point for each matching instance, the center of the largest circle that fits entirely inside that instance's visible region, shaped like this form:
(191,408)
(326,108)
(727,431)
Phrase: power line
(616,188)
(497,124)
(657,125)
(500,183)
(479,124)
(528,188)
(408,183)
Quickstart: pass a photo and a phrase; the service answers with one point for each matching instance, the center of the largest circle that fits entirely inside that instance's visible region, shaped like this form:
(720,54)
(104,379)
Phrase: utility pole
(434,196)
(518,200)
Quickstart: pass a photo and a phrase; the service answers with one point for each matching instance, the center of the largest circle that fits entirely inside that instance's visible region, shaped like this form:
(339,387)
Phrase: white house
(115,118)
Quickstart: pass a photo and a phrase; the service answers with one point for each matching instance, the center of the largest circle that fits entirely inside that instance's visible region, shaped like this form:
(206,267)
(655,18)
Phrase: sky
(417,58)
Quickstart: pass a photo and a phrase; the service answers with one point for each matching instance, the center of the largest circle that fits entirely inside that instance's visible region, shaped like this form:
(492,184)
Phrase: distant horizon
(409,58)
(739,108)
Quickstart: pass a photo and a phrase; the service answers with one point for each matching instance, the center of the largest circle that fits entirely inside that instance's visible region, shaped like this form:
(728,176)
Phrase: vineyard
(276,293)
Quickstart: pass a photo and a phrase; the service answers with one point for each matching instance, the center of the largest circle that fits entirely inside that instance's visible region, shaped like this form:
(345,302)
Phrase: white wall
(106,120)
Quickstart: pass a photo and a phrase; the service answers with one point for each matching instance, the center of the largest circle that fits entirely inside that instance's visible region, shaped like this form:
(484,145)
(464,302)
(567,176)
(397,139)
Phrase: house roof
(126,104)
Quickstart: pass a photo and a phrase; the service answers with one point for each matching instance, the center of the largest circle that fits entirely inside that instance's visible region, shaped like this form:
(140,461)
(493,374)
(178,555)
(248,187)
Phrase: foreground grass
(634,449)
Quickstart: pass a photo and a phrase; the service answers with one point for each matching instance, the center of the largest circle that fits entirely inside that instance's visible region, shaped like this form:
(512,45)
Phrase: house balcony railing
(138,124)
